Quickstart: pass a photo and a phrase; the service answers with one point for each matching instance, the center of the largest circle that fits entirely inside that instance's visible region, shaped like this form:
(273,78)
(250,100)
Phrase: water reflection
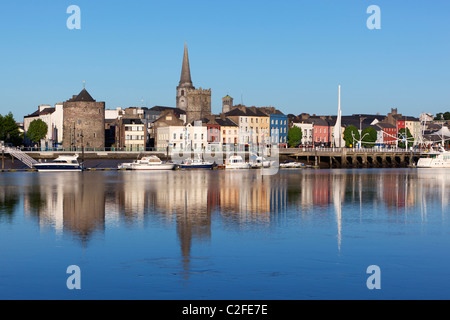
(85,204)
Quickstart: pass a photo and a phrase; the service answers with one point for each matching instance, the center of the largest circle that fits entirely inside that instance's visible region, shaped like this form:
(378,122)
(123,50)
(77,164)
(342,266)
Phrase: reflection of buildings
(9,199)
(188,201)
(73,202)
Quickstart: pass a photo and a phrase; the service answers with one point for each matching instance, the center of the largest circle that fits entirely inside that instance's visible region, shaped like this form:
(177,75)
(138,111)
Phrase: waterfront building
(389,134)
(195,102)
(83,122)
(229,132)
(132,134)
(53,117)
(213,133)
(254,126)
(307,132)
(322,131)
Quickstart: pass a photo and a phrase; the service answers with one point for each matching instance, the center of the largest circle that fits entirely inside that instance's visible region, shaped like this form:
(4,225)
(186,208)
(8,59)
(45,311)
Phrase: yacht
(260,162)
(291,164)
(195,164)
(434,159)
(151,163)
(62,163)
(236,162)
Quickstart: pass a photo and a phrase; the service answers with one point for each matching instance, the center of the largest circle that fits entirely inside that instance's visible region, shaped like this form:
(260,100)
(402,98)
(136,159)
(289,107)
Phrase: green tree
(403,137)
(9,130)
(351,136)
(369,135)
(294,136)
(37,130)
(442,116)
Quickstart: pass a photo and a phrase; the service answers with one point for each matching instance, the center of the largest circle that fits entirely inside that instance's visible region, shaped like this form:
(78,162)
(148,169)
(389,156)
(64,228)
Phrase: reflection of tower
(84,205)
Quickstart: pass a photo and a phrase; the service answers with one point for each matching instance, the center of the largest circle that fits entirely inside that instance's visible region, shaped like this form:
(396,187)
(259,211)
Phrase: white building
(189,137)
(53,117)
(307,132)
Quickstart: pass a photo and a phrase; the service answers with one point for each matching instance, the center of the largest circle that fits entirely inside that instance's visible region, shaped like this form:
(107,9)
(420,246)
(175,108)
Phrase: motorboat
(151,163)
(291,164)
(195,164)
(236,162)
(260,162)
(124,166)
(62,163)
(434,159)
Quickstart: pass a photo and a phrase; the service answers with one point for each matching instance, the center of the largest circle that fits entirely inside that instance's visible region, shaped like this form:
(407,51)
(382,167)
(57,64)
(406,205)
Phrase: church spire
(185,79)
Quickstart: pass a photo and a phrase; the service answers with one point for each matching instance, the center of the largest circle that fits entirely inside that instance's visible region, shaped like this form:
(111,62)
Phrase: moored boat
(62,163)
(236,162)
(151,163)
(434,159)
(195,164)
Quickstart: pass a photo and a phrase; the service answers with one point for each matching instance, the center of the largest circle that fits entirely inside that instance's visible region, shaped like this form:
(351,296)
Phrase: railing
(26,159)
(350,150)
(234,148)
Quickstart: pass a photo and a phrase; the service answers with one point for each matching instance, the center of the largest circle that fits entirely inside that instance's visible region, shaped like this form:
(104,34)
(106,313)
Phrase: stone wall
(87,118)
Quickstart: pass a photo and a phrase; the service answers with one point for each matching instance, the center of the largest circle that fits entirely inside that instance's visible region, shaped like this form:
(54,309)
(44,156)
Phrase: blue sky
(288,54)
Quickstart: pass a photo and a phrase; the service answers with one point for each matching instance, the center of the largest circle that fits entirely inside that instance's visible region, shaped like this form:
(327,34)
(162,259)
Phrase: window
(174,136)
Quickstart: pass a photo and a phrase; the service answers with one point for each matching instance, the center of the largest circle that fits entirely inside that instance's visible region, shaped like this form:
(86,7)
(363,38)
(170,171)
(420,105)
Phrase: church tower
(227,104)
(196,102)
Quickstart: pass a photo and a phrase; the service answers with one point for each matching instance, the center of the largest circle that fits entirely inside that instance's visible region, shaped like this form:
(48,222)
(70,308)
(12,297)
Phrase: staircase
(22,156)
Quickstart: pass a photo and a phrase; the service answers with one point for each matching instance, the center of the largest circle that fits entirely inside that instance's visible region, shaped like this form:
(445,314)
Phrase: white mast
(337,127)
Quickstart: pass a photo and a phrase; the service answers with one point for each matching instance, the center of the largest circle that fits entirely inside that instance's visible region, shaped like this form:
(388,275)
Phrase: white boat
(434,159)
(125,165)
(151,163)
(291,164)
(236,162)
(260,162)
(62,163)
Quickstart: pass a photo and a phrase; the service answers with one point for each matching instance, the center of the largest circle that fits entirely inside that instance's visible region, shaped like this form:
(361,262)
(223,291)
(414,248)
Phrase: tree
(9,130)
(294,136)
(442,116)
(37,130)
(369,135)
(402,135)
(351,136)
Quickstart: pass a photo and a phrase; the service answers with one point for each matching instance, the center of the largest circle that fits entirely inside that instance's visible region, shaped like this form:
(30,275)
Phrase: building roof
(83,96)
(226,122)
(162,108)
(40,113)
(385,125)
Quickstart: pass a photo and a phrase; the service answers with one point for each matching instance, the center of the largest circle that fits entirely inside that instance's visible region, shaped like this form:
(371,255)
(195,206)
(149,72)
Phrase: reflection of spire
(338,188)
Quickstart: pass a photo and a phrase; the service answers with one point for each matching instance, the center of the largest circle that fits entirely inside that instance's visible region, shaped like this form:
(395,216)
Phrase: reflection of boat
(260,162)
(291,164)
(236,162)
(151,163)
(435,159)
(195,164)
(62,163)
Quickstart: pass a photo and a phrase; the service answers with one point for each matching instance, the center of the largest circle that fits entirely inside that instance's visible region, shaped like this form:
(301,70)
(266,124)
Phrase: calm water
(300,234)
